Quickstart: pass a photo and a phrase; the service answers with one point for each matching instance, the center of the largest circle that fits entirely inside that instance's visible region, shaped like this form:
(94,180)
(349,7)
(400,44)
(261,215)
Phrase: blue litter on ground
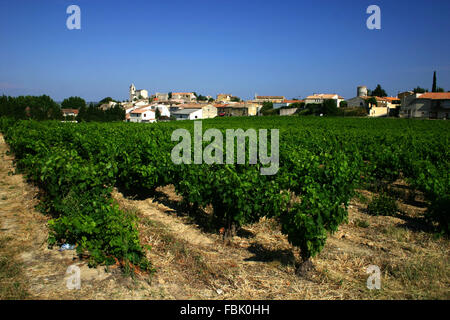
(67,246)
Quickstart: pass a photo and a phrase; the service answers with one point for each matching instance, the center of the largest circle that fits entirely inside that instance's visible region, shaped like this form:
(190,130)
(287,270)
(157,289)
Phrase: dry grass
(193,262)
(260,263)
(12,284)
(28,268)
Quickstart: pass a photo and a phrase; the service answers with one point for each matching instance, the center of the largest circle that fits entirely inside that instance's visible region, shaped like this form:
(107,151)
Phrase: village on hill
(146,108)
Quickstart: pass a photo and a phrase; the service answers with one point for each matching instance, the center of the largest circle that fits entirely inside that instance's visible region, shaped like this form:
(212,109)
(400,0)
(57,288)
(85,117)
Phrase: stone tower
(361,91)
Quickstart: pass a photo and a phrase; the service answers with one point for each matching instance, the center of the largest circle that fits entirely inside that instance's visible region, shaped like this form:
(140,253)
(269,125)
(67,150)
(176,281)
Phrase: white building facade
(320,98)
(187,114)
(163,109)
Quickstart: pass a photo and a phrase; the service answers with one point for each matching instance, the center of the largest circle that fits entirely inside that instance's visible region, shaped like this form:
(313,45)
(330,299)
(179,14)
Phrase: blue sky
(273,47)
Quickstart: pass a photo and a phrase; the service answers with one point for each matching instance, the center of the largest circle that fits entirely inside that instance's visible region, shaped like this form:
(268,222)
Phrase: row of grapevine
(322,162)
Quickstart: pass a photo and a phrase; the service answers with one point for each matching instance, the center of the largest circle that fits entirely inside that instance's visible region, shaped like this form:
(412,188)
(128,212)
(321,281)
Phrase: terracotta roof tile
(141,110)
(390,99)
(269,97)
(436,96)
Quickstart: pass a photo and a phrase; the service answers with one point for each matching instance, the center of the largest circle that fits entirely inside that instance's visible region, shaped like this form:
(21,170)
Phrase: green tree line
(44,108)
(30,107)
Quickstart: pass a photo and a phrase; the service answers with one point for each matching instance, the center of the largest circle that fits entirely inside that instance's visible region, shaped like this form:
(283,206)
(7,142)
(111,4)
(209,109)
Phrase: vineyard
(322,164)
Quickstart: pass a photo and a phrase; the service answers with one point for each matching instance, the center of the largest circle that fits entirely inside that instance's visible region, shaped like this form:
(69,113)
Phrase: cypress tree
(434,82)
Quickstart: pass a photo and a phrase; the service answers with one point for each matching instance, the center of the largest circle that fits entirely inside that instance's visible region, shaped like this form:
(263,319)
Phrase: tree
(42,108)
(30,107)
(439,89)
(15,107)
(73,103)
(116,113)
(329,107)
(170,95)
(157,114)
(311,109)
(81,116)
(420,90)
(106,100)
(52,109)
(235,99)
(93,113)
(343,104)
(266,107)
(211,100)
(378,92)
(372,101)
(298,104)
(433,89)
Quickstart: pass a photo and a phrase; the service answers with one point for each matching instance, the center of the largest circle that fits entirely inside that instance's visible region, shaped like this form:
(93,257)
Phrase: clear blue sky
(274,47)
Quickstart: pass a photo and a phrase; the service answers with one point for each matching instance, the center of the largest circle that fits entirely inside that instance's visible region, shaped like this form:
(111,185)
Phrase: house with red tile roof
(429,105)
(69,112)
(143,114)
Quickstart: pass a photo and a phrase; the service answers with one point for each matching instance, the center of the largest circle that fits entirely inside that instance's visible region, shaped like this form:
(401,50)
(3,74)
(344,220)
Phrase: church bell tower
(132,92)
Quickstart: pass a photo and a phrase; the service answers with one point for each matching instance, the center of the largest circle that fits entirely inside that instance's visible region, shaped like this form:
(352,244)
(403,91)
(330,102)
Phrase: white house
(187,114)
(145,114)
(208,110)
(320,98)
(163,109)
